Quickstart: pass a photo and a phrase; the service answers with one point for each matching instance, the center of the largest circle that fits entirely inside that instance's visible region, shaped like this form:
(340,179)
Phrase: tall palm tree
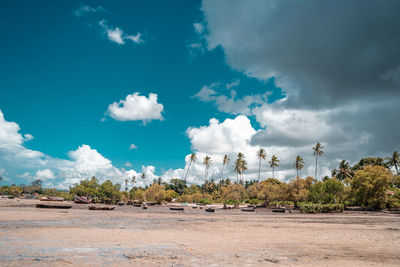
(193,158)
(394,161)
(133,180)
(225,161)
(126,184)
(343,172)
(298,164)
(261,156)
(238,168)
(207,163)
(274,163)
(317,153)
(243,167)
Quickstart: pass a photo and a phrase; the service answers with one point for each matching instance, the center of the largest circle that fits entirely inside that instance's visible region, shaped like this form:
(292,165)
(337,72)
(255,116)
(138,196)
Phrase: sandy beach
(130,236)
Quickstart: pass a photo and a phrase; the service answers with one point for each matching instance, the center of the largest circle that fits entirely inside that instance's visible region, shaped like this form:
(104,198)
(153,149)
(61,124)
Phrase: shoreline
(130,236)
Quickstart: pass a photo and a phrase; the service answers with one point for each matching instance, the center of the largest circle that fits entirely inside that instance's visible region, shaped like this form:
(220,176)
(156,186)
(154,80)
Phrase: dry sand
(129,236)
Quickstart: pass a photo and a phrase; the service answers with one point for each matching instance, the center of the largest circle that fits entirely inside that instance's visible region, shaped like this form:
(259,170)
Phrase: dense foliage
(371,182)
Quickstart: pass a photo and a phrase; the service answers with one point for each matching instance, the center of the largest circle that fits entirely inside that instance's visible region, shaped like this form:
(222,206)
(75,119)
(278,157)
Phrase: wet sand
(130,236)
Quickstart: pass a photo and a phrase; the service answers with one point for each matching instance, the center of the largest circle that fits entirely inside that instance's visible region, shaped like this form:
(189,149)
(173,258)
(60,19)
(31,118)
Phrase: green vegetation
(369,183)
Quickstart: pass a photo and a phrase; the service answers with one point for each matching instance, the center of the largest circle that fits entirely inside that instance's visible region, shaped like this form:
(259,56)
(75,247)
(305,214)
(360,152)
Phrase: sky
(114,89)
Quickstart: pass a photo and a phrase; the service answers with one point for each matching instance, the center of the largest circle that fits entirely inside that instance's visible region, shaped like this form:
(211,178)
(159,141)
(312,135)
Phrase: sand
(130,236)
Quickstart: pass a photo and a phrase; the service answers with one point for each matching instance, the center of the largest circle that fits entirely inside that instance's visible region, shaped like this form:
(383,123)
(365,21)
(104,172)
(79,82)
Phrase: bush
(205,201)
(320,208)
(254,201)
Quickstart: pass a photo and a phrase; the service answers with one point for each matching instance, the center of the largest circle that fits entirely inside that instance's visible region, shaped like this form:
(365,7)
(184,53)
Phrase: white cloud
(230,104)
(83,10)
(198,28)
(44,174)
(132,147)
(136,108)
(117,35)
(128,164)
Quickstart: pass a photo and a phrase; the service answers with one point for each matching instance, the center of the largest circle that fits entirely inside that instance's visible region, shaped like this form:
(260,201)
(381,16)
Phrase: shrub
(320,208)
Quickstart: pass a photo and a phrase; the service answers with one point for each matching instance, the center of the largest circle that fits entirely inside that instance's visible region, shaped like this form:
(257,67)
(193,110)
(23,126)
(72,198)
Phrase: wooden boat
(52,206)
(209,209)
(137,204)
(120,203)
(279,210)
(101,208)
(51,199)
(248,209)
(150,203)
(177,208)
(194,207)
(81,200)
(144,207)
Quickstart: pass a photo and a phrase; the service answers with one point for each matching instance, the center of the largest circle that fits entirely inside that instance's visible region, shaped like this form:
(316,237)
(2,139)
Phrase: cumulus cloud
(44,174)
(117,35)
(84,10)
(17,161)
(230,104)
(136,108)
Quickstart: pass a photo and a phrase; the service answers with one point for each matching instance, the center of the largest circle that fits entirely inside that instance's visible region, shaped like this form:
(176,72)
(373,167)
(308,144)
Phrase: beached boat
(150,203)
(279,210)
(209,209)
(144,207)
(81,200)
(51,199)
(137,204)
(101,208)
(248,209)
(52,206)
(177,208)
(120,203)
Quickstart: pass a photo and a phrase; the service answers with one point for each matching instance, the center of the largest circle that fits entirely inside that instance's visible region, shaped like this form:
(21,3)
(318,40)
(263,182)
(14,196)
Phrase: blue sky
(60,73)
(62,64)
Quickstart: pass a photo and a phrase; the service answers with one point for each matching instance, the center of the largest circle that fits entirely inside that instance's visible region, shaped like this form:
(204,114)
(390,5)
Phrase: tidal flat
(131,236)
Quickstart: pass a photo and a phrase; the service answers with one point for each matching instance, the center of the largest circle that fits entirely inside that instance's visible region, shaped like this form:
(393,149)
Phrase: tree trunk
(316,165)
(259,168)
(190,164)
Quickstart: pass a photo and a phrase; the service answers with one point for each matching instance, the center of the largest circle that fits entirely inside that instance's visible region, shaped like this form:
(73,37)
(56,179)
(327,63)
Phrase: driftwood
(101,208)
(51,206)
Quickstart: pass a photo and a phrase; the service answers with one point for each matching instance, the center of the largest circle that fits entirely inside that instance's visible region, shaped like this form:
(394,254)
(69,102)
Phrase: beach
(131,236)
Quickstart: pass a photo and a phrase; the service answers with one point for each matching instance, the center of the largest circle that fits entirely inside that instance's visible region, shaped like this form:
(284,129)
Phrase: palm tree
(274,163)
(224,162)
(261,156)
(133,180)
(243,167)
(238,168)
(394,161)
(193,158)
(207,163)
(298,164)
(317,152)
(126,184)
(344,171)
